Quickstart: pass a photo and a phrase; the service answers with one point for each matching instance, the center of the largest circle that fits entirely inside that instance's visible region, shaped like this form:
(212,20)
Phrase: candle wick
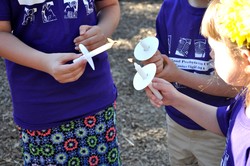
(140,71)
(145,76)
(144,45)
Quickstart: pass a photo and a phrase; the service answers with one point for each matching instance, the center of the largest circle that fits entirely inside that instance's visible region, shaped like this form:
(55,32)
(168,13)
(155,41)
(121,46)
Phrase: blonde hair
(210,27)
(228,21)
(221,24)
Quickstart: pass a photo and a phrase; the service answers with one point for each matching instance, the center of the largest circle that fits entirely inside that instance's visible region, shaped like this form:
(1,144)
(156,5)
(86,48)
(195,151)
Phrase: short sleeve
(226,115)
(223,117)
(5,10)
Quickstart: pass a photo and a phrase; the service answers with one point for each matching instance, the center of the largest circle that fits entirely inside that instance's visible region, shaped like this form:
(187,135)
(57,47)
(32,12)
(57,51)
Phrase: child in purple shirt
(65,111)
(226,26)
(188,66)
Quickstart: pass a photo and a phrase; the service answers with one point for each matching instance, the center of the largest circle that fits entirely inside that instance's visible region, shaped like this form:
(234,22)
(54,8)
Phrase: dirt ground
(141,127)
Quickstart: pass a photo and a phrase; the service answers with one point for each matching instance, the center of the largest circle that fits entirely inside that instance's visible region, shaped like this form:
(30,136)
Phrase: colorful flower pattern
(89,141)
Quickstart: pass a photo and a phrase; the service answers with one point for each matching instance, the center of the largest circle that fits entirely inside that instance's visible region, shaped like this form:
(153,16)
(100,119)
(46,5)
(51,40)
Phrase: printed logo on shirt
(200,47)
(89,5)
(29,15)
(183,47)
(192,64)
(185,43)
(169,43)
(47,12)
(30,2)
(71,9)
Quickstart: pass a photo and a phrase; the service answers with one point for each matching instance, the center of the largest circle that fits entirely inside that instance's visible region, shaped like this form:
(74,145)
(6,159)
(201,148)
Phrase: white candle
(155,92)
(140,71)
(100,49)
(144,45)
(97,50)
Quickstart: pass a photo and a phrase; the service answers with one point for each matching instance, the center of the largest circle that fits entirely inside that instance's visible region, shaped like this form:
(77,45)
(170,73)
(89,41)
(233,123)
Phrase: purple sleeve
(4,10)
(223,117)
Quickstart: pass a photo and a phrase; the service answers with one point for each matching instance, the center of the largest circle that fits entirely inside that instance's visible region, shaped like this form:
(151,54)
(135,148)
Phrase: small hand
(157,60)
(170,71)
(167,90)
(61,70)
(91,37)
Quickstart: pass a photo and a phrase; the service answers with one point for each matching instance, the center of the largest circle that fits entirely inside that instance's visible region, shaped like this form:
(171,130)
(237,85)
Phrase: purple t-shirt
(40,101)
(235,125)
(178,31)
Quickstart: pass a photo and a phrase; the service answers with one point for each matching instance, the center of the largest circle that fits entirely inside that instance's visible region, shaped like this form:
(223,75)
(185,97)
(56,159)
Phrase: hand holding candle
(89,55)
(140,71)
(146,78)
(144,50)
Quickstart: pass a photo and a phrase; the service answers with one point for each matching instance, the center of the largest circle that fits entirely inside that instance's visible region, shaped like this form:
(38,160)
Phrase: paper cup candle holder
(144,50)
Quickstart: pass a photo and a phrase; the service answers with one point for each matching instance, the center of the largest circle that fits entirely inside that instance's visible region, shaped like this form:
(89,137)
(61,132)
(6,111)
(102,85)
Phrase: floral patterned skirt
(89,141)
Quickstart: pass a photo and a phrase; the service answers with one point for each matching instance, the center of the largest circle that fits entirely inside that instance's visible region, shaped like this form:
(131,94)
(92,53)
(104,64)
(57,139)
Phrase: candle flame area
(113,41)
(131,60)
(110,40)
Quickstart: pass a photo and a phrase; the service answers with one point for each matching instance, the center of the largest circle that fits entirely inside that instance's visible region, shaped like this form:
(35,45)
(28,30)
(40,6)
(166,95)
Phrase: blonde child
(226,26)
(186,63)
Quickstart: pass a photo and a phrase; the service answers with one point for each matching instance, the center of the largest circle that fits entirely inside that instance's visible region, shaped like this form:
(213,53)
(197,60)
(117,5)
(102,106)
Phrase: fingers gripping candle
(144,50)
(89,55)
(146,78)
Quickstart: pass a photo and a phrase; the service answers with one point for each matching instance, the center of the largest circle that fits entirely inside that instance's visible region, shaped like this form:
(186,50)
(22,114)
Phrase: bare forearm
(108,16)
(209,84)
(14,50)
(201,113)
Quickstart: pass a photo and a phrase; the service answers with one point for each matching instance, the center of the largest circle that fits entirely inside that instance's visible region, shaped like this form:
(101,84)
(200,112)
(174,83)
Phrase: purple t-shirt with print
(178,30)
(50,26)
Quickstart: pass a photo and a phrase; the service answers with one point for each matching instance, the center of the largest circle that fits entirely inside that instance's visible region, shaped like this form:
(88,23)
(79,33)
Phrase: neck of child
(199,3)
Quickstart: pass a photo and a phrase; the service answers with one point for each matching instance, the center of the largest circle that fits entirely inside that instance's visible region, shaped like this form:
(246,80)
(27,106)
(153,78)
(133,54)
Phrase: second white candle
(143,75)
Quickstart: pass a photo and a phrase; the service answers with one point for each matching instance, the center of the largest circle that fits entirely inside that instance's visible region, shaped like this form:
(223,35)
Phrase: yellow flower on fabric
(234,21)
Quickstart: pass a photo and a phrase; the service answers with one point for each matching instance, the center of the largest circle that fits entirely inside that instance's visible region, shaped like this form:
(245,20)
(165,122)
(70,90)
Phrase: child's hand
(170,71)
(91,37)
(62,71)
(167,90)
(158,60)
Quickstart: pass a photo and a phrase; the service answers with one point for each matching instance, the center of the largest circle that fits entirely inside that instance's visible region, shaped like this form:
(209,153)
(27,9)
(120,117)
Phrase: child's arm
(13,49)
(108,18)
(203,114)
(210,84)
(108,15)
